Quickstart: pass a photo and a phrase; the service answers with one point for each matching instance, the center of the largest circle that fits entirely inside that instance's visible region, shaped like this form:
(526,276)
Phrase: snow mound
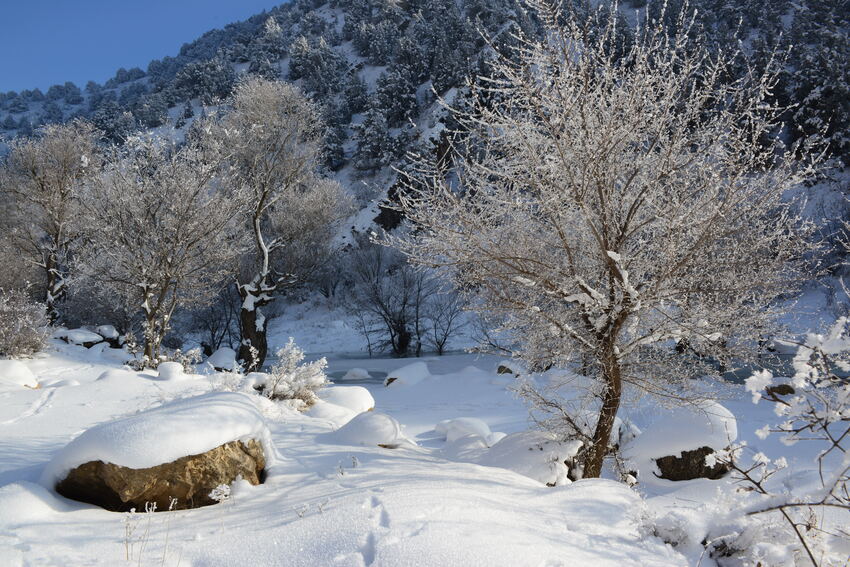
(408,375)
(171,371)
(60,383)
(356,374)
(78,336)
(535,454)
(117,375)
(107,331)
(453,429)
(184,427)
(224,358)
(356,398)
(336,415)
(684,429)
(16,373)
(24,503)
(369,428)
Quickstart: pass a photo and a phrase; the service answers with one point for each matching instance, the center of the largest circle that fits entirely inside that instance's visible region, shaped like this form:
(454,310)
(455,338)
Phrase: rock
(677,443)
(110,335)
(510,366)
(80,337)
(690,465)
(223,360)
(188,479)
(408,375)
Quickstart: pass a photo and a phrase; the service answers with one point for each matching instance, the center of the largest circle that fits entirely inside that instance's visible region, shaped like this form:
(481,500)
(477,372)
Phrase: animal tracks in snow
(35,408)
(379,527)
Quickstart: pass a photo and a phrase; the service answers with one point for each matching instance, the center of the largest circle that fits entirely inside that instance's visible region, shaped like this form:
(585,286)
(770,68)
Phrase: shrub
(23,324)
(289,379)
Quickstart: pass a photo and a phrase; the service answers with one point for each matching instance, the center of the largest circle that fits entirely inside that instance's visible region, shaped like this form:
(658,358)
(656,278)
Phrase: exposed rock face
(188,479)
(690,465)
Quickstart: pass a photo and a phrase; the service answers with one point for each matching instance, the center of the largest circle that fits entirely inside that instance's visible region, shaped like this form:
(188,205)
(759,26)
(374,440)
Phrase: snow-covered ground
(329,499)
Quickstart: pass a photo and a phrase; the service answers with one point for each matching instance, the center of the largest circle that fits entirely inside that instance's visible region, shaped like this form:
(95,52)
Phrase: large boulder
(189,479)
(680,445)
(183,449)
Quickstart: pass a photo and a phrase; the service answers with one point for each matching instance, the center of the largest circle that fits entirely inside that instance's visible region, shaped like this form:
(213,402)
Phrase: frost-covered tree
(210,80)
(23,325)
(615,202)
(161,232)
(41,180)
(274,139)
(291,379)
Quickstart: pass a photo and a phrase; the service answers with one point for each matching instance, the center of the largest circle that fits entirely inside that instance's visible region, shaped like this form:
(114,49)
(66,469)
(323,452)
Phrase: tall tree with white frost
(162,233)
(615,202)
(273,135)
(41,179)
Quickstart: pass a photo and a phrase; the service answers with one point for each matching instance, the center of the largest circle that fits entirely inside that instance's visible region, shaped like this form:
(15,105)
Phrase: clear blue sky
(48,42)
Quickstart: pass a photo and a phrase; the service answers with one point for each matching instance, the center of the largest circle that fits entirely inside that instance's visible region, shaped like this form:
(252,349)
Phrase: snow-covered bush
(289,379)
(815,408)
(23,324)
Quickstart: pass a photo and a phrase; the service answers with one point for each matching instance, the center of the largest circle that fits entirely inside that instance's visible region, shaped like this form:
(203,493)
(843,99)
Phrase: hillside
(374,67)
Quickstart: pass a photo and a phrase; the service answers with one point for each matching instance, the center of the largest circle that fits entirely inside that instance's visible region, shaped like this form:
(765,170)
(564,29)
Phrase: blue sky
(45,42)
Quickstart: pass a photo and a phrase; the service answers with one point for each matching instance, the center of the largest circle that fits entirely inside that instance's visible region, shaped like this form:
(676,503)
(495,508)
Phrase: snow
(355,398)
(107,331)
(171,371)
(534,454)
(356,374)
(335,415)
(16,373)
(369,428)
(407,375)
(707,424)
(453,429)
(480,499)
(184,427)
(78,336)
(224,358)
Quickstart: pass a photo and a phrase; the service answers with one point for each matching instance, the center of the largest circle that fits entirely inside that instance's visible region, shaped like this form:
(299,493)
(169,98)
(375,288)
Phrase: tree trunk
(55,289)
(595,454)
(254,346)
(153,338)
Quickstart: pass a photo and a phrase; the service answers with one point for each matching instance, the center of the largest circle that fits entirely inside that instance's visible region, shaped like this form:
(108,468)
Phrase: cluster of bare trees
(400,308)
(154,225)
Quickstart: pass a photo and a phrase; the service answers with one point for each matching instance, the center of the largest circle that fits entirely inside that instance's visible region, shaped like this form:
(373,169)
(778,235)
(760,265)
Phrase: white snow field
(336,494)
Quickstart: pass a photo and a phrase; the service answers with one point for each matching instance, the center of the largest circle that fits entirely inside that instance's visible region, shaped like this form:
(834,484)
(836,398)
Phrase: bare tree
(444,318)
(398,307)
(161,231)
(616,200)
(41,180)
(273,136)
